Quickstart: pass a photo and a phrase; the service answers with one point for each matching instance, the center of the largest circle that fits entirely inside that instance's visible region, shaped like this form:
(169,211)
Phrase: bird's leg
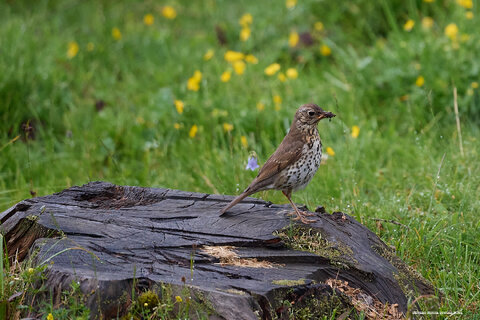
(288,194)
(300,215)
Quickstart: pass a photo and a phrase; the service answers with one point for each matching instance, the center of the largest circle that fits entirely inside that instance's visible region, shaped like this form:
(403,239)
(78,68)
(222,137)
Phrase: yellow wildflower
(272,69)
(330,151)
(178,298)
(251,58)
(208,55)
(325,50)
(281,76)
(420,81)
(278,102)
(176,125)
(428,1)
(116,34)
(72,49)
(179,106)
(232,56)
(226,75)
(355,132)
(31,270)
(246,20)
(427,22)
(193,131)
(451,31)
(318,26)
(148,19)
(245,33)
(227,127)
(474,85)
(145,304)
(169,12)
(244,141)
(408,26)
(293,39)
(50,316)
(239,67)
(193,83)
(260,106)
(467,4)
(469,15)
(290,4)
(292,73)
(197,75)
(90,46)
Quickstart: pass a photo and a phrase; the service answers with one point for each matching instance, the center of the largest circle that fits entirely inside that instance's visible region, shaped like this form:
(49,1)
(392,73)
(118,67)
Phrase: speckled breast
(299,174)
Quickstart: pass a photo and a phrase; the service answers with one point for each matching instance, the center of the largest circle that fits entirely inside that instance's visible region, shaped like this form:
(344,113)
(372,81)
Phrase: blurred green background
(141,93)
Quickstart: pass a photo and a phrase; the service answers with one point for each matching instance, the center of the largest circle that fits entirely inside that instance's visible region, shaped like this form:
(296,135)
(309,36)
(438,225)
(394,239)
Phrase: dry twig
(455,106)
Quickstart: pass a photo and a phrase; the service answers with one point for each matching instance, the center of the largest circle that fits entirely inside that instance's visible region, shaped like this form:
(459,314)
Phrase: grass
(405,165)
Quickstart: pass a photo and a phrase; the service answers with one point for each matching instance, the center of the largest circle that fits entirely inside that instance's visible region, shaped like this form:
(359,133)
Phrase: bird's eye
(311,113)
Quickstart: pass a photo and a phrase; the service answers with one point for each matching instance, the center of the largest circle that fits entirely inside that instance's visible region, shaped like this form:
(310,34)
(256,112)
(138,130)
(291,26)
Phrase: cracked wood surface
(118,233)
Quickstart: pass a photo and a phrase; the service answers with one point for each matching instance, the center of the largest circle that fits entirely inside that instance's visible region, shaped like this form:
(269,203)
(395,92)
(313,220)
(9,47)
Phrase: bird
(294,163)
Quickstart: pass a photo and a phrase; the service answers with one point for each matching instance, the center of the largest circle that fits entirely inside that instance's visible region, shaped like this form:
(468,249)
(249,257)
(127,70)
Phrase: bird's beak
(326,114)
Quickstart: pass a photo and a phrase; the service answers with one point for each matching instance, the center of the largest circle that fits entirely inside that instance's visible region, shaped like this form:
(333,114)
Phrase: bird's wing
(288,152)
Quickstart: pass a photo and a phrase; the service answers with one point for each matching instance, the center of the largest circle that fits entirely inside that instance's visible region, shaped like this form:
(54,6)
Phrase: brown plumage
(294,163)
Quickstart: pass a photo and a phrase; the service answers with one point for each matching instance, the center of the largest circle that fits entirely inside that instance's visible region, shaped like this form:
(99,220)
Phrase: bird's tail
(239,198)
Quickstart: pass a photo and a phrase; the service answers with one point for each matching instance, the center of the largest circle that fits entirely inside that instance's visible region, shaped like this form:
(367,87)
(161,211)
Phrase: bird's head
(310,114)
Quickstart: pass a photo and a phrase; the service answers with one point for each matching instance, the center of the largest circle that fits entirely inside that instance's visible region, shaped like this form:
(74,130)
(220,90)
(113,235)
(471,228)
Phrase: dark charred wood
(112,238)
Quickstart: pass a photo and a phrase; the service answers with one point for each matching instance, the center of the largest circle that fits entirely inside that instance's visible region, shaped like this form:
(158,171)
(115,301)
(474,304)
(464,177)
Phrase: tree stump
(253,262)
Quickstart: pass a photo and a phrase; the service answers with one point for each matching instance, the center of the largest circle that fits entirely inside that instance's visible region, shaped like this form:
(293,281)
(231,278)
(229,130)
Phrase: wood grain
(155,236)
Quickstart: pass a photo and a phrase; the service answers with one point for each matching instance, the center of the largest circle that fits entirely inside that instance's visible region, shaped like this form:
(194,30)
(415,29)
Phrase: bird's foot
(301,215)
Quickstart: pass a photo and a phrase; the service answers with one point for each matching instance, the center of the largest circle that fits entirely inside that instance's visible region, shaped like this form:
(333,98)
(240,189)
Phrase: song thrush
(294,163)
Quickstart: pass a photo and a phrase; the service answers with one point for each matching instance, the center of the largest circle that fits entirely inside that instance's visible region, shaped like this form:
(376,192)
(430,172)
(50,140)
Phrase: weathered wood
(237,263)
